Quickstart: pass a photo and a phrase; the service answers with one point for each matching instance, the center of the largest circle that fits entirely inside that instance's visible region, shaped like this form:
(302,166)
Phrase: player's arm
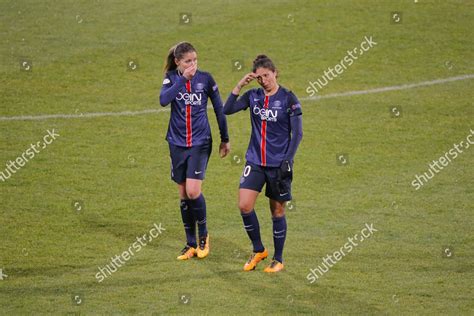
(296,123)
(169,90)
(296,126)
(216,100)
(234,103)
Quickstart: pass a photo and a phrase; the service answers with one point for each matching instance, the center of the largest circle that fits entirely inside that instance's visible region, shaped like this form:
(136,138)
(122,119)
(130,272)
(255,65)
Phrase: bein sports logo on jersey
(265,114)
(189,98)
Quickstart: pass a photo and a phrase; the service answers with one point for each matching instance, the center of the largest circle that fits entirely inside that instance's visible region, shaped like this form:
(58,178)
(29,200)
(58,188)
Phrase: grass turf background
(119,166)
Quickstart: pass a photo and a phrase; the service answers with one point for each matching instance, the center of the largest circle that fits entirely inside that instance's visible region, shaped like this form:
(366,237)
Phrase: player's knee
(193,193)
(278,212)
(245,207)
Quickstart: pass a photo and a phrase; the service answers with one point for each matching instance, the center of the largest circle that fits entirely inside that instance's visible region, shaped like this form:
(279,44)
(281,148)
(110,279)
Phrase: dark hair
(177,51)
(262,61)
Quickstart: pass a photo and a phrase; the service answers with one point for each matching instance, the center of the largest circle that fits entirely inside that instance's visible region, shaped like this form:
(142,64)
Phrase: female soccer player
(189,138)
(275,115)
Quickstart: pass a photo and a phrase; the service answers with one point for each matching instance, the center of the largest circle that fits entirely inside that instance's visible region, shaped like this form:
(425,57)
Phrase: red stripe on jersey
(189,129)
(263,141)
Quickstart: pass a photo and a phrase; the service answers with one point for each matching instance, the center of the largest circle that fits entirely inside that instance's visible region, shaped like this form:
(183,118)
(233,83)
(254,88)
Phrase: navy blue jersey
(189,124)
(271,130)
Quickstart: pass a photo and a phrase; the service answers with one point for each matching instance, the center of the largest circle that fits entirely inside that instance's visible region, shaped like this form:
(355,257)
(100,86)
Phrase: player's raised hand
(246,79)
(190,72)
(243,82)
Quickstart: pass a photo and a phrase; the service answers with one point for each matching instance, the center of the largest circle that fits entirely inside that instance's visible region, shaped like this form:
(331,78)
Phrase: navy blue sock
(279,236)
(253,230)
(189,223)
(198,207)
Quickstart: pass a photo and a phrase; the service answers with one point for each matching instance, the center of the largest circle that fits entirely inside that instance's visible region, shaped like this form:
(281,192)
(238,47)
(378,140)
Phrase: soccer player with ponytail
(275,116)
(187,89)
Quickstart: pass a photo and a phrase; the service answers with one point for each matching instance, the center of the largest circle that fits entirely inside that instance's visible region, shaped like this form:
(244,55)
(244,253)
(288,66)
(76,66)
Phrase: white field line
(153,111)
(82,115)
(390,88)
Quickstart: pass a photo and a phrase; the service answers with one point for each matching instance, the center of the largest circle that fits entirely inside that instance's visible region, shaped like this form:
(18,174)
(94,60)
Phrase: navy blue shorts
(255,176)
(189,162)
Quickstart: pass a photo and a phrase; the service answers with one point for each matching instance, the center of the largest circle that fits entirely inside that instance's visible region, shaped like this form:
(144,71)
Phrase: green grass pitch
(70,58)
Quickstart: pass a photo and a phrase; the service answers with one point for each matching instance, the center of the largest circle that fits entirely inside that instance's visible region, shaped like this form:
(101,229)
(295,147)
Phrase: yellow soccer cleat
(254,259)
(187,253)
(275,266)
(203,248)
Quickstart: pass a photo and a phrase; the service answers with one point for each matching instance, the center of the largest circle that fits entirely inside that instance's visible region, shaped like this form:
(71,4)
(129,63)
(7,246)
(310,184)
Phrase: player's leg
(178,157)
(279,192)
(251,184)
(279,234)
(197,204)
(247,199)
(189,220)
(197,165)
